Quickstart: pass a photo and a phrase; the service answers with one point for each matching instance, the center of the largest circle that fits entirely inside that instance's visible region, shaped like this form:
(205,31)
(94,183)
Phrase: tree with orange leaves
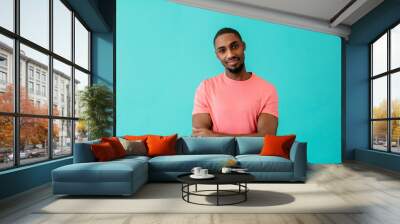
(33,130)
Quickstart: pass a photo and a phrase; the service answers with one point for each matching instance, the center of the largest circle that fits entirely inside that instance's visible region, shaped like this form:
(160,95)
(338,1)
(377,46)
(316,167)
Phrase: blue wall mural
(164,50)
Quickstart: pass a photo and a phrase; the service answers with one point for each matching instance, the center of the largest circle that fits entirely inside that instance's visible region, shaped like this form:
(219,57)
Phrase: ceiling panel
(319,9)
(327,16)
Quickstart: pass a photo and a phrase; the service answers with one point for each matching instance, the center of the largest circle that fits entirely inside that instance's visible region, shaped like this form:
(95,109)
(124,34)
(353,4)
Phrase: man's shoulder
(212,80)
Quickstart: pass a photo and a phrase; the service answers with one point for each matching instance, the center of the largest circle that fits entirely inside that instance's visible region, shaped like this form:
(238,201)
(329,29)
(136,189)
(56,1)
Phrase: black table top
(220,178)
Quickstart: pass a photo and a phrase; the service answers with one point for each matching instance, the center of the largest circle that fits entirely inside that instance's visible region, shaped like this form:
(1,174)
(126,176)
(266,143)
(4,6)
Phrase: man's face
(230,51)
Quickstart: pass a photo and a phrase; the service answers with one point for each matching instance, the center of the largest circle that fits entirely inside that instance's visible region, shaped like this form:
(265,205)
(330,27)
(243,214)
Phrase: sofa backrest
(206,145)
(83,153)
(249,145)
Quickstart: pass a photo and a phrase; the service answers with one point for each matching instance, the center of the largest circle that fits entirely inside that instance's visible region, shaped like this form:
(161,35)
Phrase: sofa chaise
(126,175)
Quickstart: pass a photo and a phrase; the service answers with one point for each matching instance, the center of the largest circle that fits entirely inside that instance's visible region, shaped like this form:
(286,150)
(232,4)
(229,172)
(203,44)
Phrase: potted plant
(96,102)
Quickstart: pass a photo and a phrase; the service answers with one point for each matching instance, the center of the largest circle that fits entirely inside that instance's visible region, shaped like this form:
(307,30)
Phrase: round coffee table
(238,179)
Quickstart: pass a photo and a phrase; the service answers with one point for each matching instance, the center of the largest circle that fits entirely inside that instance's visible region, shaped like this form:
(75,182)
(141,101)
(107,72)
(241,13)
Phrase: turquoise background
(164,50)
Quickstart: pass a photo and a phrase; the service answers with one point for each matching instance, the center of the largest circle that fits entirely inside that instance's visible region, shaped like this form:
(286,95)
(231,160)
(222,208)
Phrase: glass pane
(379,135)
(379,55)
(7,14)
(395,136)
(395,47)
(379,98)
(6,74)
(35,21)
(6,142)
(62,89)
(34,82)
(395,94)
(81,131)
(62,29)
(62,138)
(33,140)
(81,81)
(81,45)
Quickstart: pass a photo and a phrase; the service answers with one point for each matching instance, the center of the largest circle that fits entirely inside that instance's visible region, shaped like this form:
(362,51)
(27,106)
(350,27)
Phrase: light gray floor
(378,188)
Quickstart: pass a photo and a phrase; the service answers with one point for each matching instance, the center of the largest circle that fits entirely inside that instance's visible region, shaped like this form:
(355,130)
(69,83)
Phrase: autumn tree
(33,131)
(380,127)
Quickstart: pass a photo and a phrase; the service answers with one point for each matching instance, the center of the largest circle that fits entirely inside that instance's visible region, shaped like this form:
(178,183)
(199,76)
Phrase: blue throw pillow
(249,145)
(206,145)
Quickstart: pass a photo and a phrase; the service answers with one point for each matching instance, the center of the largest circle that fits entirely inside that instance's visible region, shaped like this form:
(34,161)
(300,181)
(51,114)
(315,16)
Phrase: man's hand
(202,132)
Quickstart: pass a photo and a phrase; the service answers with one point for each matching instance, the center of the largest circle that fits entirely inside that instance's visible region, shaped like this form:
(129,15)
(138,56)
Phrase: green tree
(97,104)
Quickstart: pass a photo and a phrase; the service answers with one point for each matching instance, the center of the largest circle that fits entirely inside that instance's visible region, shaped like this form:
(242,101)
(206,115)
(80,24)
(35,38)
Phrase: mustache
(233,59)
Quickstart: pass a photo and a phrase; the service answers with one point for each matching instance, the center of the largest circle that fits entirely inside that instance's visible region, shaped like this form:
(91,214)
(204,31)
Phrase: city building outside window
(57,128)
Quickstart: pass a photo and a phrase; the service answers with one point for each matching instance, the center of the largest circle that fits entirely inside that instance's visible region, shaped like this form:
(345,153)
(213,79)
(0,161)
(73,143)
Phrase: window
(62,74)
(34,21)
(38,89)
(3,72)
(3,61)
(37,74)
(81,45)
(30,72)
(30,87)
(47,73)
(44,91)
(62,31)
(7,14)
(385,91)
(6,74)
(3,78)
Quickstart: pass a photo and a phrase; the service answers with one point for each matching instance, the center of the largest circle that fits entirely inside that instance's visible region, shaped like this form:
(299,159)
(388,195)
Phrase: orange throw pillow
(103,151)
(116,145)
(277,145)
(161,145)
(136,138)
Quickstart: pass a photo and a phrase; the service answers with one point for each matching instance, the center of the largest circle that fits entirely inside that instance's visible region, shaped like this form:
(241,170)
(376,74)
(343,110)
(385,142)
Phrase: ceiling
(328,16)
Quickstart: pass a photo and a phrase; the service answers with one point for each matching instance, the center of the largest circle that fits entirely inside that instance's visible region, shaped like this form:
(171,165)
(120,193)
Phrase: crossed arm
(202,126)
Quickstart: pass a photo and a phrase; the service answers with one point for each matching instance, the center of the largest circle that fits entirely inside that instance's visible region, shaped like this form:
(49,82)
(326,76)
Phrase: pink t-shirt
(234,106)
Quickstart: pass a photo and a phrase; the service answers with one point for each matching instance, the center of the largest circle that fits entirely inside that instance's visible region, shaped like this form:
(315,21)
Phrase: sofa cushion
(83,152)
(185,163)
(103,151)
(257,163)
(132,158)
(135,147)
(249,145)
(277,145)
(116,145)
(161,145)
(206,145)
(111,171)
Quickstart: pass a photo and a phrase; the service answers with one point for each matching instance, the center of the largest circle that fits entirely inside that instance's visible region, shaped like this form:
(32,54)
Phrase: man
(236,102)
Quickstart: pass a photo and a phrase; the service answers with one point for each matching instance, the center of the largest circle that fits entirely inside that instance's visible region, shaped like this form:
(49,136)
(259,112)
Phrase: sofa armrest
(298,155)
(83,152)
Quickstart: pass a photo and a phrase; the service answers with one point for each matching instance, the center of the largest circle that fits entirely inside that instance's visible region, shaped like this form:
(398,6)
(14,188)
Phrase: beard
(236,70)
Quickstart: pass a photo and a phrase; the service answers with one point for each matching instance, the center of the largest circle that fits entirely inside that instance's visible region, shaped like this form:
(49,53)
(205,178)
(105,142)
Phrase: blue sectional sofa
(125,176)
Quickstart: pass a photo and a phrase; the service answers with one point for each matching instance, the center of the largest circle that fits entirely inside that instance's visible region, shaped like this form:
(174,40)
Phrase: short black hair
(227,30)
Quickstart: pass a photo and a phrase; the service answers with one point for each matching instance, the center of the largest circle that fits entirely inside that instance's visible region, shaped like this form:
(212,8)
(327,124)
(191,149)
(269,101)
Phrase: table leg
(217,194)
(196,188)
(188,190)
(245,193)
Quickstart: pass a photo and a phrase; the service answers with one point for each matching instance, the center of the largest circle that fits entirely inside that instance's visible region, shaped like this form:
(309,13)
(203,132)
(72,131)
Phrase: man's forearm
(209,132)
(257,134)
